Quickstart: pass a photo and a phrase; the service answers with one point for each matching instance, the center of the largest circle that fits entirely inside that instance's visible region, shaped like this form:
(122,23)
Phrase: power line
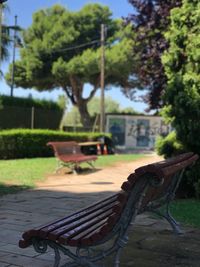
(74,47)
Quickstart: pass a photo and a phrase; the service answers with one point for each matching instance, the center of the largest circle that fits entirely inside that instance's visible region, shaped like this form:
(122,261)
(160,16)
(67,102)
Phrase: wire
(75,47)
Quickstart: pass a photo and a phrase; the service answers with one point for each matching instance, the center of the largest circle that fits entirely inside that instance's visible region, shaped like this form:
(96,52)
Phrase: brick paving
(151,243)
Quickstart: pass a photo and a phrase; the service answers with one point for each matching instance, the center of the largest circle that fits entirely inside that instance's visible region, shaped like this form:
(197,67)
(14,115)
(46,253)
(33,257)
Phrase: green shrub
(169,146)
(28,102)
(26,143)
(182,69)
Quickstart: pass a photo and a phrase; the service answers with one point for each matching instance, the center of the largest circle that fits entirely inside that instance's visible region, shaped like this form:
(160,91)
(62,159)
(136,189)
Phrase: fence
(25,117)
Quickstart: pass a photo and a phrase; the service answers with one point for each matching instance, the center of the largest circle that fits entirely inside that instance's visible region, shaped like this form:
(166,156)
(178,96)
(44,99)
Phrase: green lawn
(24,173)
(187,211)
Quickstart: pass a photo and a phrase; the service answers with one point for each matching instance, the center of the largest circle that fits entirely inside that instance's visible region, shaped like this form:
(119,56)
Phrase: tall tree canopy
(182,66)
(62,49)
(5,37)
(150,21)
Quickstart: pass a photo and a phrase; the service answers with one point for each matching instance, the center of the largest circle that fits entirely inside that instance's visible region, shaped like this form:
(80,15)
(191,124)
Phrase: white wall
(135,131)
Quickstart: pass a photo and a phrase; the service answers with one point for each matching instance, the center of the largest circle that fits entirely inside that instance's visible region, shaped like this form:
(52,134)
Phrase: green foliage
(181,62)
(29,102)
(130,111)
(111,106)
(168,146)
(62,49)
(26,143)
(73,117)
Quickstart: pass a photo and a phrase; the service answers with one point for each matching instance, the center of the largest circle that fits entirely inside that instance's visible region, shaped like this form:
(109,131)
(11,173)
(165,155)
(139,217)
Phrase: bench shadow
(101,183)
(87,170)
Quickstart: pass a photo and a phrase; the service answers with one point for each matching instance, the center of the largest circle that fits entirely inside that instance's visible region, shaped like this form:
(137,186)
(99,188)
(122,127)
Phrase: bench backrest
(145,187)
(163,178)
(65,148)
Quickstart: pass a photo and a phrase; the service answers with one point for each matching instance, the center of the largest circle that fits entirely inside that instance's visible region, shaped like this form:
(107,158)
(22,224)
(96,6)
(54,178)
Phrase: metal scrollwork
(40,246)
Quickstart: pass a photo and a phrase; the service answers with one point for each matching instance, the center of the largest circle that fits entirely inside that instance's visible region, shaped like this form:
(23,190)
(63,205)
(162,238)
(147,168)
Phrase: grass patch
(186,211)
(21,174)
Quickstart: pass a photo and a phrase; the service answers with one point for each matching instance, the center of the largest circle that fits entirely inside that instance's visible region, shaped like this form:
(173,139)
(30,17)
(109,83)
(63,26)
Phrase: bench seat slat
(84,235)
(58,223)
(69,220)
(66,236)
(83,212)
(76,158)
(77,223)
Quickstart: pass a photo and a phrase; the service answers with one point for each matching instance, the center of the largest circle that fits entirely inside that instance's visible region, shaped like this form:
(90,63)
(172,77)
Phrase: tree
(73,117)
(62,49)
(182,67)
(5,37)
(150,21)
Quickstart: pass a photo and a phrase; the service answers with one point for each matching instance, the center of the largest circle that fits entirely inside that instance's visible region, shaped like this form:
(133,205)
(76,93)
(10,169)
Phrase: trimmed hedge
(28,102)
(27,143)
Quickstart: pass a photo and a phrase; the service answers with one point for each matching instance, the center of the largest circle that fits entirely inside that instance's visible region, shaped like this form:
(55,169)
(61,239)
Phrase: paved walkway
(151,244)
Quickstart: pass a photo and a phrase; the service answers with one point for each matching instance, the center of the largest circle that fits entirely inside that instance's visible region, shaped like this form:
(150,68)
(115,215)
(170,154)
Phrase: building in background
(135,131)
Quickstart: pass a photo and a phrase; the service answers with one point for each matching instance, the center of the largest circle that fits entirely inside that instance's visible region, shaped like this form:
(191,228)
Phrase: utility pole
(1,11)
(13,60)
(102,108)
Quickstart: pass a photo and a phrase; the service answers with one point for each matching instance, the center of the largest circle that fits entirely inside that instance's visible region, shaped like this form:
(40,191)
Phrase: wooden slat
(167,171)
(76,157)
(76,240)
(156,167)
(127,186)
(74,225)
(76,216)
(132,178)
(69,235)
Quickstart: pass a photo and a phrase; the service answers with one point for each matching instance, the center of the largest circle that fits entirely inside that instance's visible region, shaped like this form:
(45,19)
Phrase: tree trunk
(84,114)
(75,93)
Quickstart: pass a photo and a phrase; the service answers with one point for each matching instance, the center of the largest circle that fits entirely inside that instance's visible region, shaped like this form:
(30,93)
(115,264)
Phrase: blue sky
(24,10)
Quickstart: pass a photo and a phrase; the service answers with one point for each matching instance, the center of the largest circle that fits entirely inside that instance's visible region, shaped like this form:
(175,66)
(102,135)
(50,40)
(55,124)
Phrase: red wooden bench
(69,154)
(107,222)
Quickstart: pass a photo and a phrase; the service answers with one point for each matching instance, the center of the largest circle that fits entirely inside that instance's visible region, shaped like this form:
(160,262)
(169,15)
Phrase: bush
(182,94)
(28,102)
(26,143)
(169,146)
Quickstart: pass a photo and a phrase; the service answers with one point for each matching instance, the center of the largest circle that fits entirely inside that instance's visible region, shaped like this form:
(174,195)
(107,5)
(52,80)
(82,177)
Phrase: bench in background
(69,154)
(90,235)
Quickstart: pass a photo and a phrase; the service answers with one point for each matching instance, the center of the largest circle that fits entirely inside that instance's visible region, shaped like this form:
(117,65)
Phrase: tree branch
(70,95)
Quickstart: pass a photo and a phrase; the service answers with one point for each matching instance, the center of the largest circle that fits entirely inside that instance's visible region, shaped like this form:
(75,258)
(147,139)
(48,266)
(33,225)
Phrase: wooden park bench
(69,154)
(91,234)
